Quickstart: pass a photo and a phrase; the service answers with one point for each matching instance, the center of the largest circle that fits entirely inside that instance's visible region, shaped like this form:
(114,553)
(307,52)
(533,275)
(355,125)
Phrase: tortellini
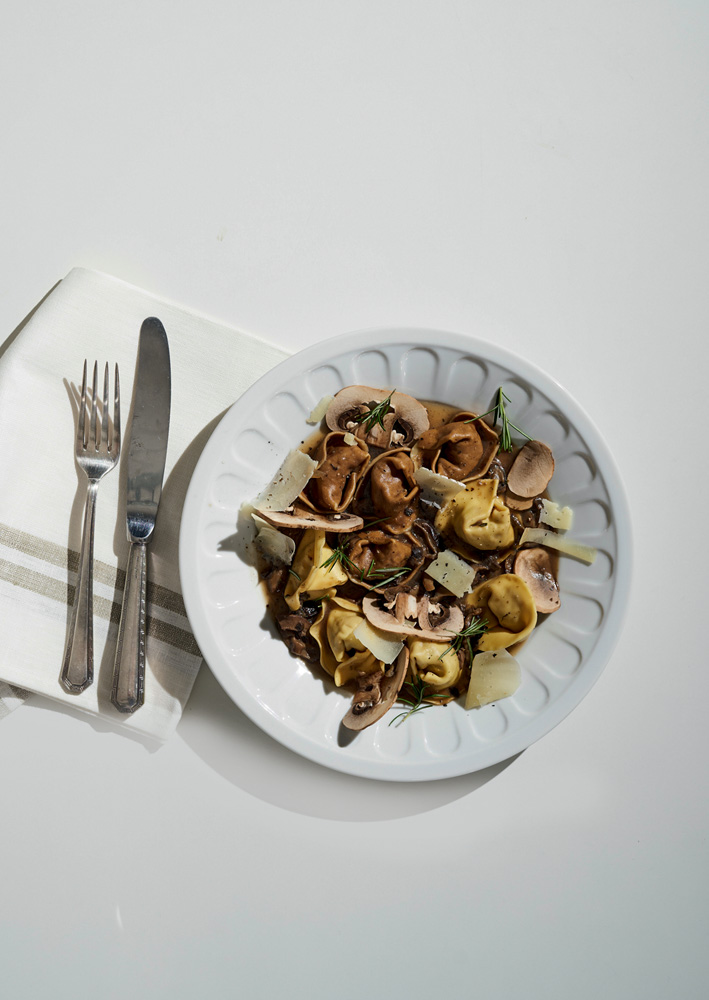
(342,655)
(508,607)
(437,666)
(478,517)
(309,578)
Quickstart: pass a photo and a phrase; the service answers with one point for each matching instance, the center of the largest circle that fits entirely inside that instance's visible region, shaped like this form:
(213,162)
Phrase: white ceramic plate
(298,705)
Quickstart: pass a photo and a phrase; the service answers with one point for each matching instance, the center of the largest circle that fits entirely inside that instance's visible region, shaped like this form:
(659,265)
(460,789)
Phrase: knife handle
(128,691)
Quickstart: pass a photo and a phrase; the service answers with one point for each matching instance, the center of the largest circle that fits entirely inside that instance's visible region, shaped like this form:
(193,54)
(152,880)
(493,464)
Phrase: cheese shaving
(319,410)
(540,536)
(493,675)
(436,487)
(349,438)
(273,544)
(452,572)
(382,645)
(556,516)
(288,483)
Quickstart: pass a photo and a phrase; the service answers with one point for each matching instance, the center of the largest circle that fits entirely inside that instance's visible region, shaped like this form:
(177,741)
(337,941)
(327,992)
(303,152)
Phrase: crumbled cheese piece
(382,645)
(288,483)
(540,536)
(273,544)
(556,516)
(452,572)
(319,410)
(436,487)
(494,674)
(349,438)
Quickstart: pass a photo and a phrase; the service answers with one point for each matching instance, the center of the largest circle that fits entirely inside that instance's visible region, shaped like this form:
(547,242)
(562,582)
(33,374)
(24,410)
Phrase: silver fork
(96,455)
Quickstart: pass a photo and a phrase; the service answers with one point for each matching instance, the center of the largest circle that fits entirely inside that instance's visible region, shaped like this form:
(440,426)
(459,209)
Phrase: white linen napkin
(94,316)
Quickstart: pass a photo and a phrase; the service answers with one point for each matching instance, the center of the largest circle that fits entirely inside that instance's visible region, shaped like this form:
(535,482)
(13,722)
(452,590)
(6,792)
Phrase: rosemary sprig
(292,572)
(500,416)
(375,414)
(381,575)
(416,703)
(339,555)
(477,627)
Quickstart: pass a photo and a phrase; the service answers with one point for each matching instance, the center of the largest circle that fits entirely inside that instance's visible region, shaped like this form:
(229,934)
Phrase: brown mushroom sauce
(398,535)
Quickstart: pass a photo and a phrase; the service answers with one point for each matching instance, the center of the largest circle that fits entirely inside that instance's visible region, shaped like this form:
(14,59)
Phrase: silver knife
(146,465)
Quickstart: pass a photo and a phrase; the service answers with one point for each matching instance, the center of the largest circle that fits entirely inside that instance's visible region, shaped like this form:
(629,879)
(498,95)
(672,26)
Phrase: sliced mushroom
(405,420)
(531,470)
(424,609)
(535,568)
(376,693)
(443,632)
(302,517)
(462,449)
(517,503)
(405,606)
(340,468)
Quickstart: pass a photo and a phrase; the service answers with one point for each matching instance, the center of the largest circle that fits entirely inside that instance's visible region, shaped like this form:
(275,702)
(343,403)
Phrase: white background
(533,172)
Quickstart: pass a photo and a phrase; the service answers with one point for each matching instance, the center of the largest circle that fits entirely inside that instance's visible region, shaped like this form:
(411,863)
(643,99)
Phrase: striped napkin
(94,316)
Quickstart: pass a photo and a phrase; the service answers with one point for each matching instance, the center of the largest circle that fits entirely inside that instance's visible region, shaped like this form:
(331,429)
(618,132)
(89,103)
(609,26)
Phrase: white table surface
(535,173)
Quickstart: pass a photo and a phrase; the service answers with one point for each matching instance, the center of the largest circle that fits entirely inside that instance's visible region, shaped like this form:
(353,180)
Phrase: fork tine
(81,428)
(93,437)
(104,413)
(116,436)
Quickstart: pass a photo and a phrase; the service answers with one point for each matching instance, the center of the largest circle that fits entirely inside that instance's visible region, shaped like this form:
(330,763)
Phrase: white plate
(298,705)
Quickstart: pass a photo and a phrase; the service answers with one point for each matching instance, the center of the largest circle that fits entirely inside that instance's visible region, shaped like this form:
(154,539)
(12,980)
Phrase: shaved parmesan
(349,438)
(436,487)
(288,483)
(540,536)
(382,645)
(273,544)
(452,572)
(556,516)
(494,674)
(319,410)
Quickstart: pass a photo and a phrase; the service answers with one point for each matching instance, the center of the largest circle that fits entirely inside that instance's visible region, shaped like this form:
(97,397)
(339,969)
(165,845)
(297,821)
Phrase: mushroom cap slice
(443,632)
(517,503)
(531,470)
(355,399)
(535,568)
(301,517)
(376,694)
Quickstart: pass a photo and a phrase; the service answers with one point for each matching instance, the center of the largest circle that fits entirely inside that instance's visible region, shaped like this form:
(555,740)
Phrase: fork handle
(128,691)
(78,666)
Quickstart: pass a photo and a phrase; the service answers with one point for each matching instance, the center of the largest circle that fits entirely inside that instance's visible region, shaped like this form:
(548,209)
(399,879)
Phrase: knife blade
(145,464)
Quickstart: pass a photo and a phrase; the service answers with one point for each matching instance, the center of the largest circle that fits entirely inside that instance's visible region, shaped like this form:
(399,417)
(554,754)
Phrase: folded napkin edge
(160,299)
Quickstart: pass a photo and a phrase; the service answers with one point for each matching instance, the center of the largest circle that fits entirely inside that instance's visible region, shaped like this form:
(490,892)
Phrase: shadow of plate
(233,746)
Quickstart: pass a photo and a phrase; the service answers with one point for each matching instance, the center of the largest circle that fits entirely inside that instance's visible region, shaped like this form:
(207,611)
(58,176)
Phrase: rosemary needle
(477,627)
(390,573)
(500,415)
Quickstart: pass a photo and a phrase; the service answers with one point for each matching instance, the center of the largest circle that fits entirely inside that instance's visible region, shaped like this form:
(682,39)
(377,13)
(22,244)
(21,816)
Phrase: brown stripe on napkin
(47,586)
(64,558)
